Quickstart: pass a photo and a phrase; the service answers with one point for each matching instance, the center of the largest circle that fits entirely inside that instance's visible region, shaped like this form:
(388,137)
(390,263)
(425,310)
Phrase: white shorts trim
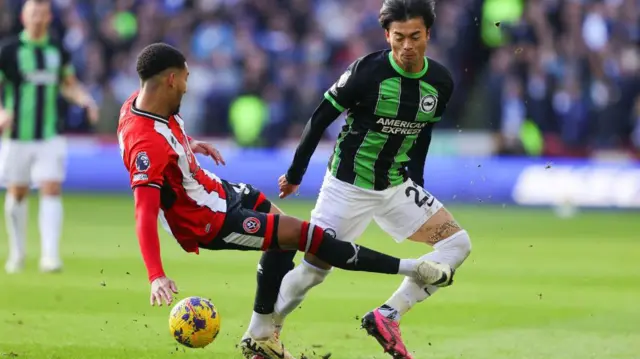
(347,210)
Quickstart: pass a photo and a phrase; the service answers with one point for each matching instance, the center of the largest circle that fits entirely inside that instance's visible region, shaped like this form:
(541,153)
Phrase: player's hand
(6,120)
(89,105)
(286,188)
(162,289)
(208,150)
(93,113)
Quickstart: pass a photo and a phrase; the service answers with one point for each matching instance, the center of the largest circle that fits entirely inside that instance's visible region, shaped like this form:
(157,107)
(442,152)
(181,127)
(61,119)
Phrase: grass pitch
(535,287)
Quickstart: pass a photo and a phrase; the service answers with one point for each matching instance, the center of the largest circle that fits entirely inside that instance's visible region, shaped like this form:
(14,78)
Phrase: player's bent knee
(316,262)
(18,192)
(439,227)
(51,189)
(455,249)
(289,231)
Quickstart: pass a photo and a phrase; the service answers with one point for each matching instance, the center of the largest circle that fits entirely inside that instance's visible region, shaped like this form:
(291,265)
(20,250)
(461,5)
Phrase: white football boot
(434,273)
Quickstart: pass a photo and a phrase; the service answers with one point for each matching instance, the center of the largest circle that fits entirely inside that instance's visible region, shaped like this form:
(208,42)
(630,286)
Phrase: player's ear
(387,36)
(428,34)
(171,79)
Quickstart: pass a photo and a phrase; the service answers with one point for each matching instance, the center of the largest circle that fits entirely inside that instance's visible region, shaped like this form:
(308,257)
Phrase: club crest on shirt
(142,162)
(428,103)
(251,225)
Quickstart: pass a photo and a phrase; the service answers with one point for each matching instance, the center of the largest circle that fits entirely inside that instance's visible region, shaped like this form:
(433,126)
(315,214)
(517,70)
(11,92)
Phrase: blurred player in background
(203,211)
(34,70)
(393,98)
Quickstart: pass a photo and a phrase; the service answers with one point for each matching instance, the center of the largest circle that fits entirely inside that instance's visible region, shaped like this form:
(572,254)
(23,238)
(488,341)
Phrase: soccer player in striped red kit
(203,211)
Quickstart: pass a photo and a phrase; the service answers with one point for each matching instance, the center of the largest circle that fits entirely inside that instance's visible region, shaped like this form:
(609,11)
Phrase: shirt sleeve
(444,95)
(345,92)
(147,205)
(147,160)
(322,117)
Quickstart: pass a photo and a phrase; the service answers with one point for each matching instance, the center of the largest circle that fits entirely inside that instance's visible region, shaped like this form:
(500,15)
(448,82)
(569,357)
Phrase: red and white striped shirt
(156,152)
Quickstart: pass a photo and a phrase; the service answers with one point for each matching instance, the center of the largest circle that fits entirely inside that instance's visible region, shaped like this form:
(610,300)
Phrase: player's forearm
(147,200)
(323,116)
(418,156)
(76,94)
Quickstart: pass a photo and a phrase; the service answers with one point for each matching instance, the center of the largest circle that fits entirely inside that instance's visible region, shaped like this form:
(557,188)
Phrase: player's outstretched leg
(309,238)
(451,247)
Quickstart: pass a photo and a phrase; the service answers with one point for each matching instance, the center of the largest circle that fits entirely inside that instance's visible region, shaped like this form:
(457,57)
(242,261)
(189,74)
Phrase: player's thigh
(16,161)
(409,207)
(50,166)
(246,230)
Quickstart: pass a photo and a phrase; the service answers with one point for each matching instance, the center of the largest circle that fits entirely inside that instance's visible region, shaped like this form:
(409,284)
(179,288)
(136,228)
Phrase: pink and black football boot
(387,333)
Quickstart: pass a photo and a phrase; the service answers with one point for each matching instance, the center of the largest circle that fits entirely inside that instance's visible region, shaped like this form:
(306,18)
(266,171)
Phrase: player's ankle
(261,326)
(389,312)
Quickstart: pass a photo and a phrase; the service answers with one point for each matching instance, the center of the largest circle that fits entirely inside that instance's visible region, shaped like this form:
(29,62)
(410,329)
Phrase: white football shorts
(23,163)
(347,210)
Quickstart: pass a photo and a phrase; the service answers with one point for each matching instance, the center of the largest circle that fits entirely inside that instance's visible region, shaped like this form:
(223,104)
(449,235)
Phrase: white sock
(408,266)
(293,289)
(452,251)
(50,218)
(261,325)
(16,217)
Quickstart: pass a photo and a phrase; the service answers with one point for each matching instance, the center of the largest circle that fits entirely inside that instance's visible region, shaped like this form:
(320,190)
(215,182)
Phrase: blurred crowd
(570,74)
(553,76)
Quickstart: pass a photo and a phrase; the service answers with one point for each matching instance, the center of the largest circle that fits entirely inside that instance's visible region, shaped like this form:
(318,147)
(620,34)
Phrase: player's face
(178,84)
(408,40)
(36,17)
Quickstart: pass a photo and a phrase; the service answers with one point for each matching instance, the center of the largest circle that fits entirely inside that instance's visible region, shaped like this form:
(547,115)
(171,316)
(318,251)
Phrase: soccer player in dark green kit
(393,99)
(34,71)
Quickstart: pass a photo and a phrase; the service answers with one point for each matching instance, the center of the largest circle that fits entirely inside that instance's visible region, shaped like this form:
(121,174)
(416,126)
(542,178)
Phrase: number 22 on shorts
(428,199)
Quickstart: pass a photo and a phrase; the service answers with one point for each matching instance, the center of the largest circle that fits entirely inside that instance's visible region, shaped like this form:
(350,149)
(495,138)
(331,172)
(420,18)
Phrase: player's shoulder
(438,73)
(136,128)
(55,42)
(9,42)
(371,62)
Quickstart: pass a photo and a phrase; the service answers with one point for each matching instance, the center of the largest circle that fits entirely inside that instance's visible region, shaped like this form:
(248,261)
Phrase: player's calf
(309,238)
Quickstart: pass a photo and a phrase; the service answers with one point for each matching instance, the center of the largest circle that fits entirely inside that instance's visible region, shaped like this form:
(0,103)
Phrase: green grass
(535,287)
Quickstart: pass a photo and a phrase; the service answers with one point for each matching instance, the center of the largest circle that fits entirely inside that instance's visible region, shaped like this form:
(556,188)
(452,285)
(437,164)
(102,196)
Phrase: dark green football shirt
(30,74)
(387,109)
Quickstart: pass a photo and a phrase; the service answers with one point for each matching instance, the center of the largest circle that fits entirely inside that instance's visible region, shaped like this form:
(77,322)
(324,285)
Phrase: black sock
(345,255)
(274,265)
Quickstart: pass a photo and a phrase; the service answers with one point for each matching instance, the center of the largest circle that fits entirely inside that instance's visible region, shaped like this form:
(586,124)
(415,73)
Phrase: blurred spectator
(569,69)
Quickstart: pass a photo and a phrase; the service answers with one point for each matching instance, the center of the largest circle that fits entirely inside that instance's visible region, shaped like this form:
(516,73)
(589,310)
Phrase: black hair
(156,58)
(403,10)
